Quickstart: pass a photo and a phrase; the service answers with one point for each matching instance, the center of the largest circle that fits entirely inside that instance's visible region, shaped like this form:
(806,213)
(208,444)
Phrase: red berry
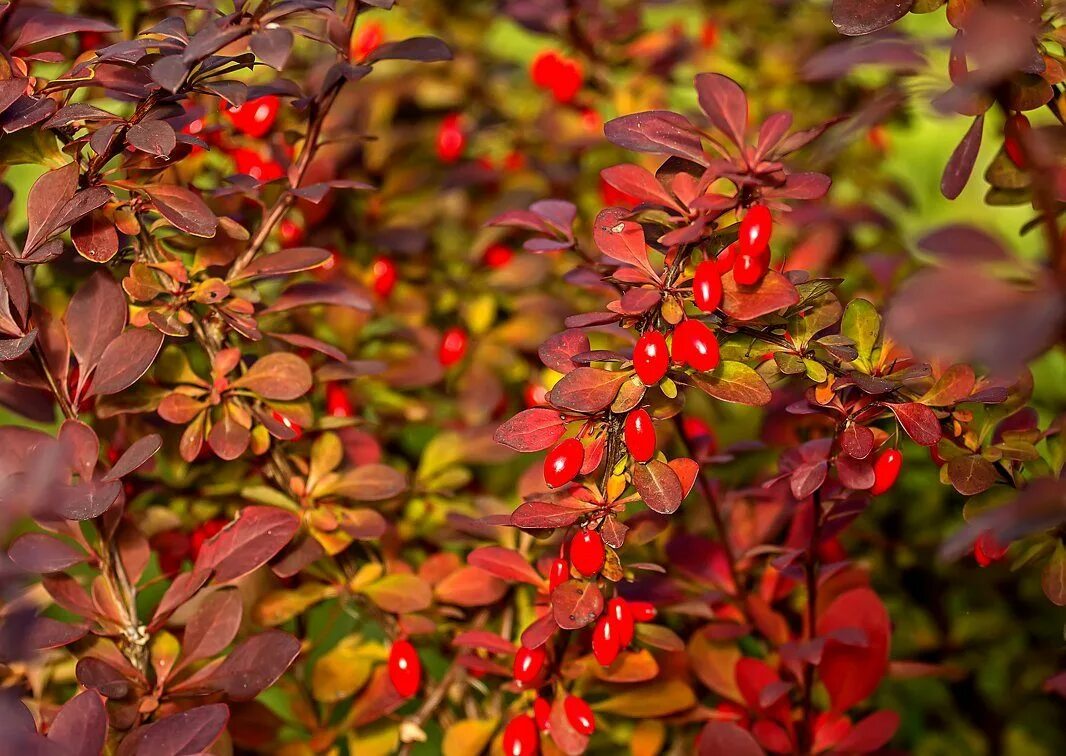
(251,163)
(337,402)
(383,272)
(290,232)
(451,140)
(707,286)
(748,270)
(726,258)
(563,463)
(695,345)
(886,470)
(452,346)
(558,573)
(498,255)
(203,533)
(587,552)
(405,668)
(640,435)
(296,429)
(755,230)
(543,68)
(535,395)
(1013,133)
(542,711)
(622,617)
(367,38)
(171,547)
(605,645)
(986,549)
(580,715)
(643,611)
(255,117)
(561,75)
(520,737)
(651,357)
(709,35)
(528,663)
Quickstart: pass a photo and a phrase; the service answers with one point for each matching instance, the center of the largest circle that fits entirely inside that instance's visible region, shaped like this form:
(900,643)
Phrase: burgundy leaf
(855,17)
(725,104)
(719,738)
(139,452)
(531,430)
(659,132)
(248,542)
(80,726)
(94,318)
(188,732)
(214,626)
(557,351)
(658,486)
(125,360)
(960,164)
(184,208)
(254,665)
(587,389)
(545,514)
(43,553)
(919,421)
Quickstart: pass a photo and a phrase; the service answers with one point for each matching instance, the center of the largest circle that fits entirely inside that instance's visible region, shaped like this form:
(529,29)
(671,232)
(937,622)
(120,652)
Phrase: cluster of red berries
(560,75)
(753,246)
(694,344)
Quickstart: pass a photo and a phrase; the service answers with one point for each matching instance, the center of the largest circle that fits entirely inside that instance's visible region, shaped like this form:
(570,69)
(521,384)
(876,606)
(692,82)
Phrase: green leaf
(862,324)
(734,382)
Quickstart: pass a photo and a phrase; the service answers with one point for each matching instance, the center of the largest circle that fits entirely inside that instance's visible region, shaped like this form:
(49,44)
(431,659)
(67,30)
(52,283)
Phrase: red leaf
(545,514)
(658,485)
(587,389)
(213,627)
(254,665)
(620,239)
(125,360)
(557,351)
(576,604)
(773,293)
(721,738)
(188,732)
(40,552)
(80,727)
(725,104)
(855,17)
(531,430)
(184,208)
(849,672)
(659,132)
(871,734)
(960,164)
(638,182)
(470,586)
(248,542)
(94,318)
(504,563)
(919,421)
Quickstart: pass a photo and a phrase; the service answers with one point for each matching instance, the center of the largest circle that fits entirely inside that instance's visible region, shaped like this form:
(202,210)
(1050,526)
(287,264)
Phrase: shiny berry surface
(383,276)
(622,616)
(696,345)
(643,611)
(579,715)
(748,270)
(605,646)
(542,711)
(255,117)
(528,664)
(563,462)
(520,737)
(337,402)
(558,574)
(453,344)
(651,358)
(886,469)
(707,286)
(755,229)
(639,435)
(405,668)
(451,139)
(587,552)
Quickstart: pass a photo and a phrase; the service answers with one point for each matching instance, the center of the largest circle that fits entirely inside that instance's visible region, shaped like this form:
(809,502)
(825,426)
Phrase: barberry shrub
(551,398)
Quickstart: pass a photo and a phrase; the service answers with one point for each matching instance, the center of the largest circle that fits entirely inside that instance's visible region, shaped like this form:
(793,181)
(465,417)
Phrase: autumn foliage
(531,377)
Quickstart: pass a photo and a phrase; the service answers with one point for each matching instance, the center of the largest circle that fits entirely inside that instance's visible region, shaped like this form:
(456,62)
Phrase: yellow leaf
(344,670)
(657,699)
(648,738)
(468,737)
(281,606)
(379,739)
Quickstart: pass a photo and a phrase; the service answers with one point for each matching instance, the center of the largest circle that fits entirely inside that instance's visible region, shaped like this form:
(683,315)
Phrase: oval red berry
(563,463)
(755,230)
(528,663)
(520,737)
(640,435)
(587,552)
(651,358)
(886,470)
(579,715)
(707,286)
(696,345)
(405,668)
